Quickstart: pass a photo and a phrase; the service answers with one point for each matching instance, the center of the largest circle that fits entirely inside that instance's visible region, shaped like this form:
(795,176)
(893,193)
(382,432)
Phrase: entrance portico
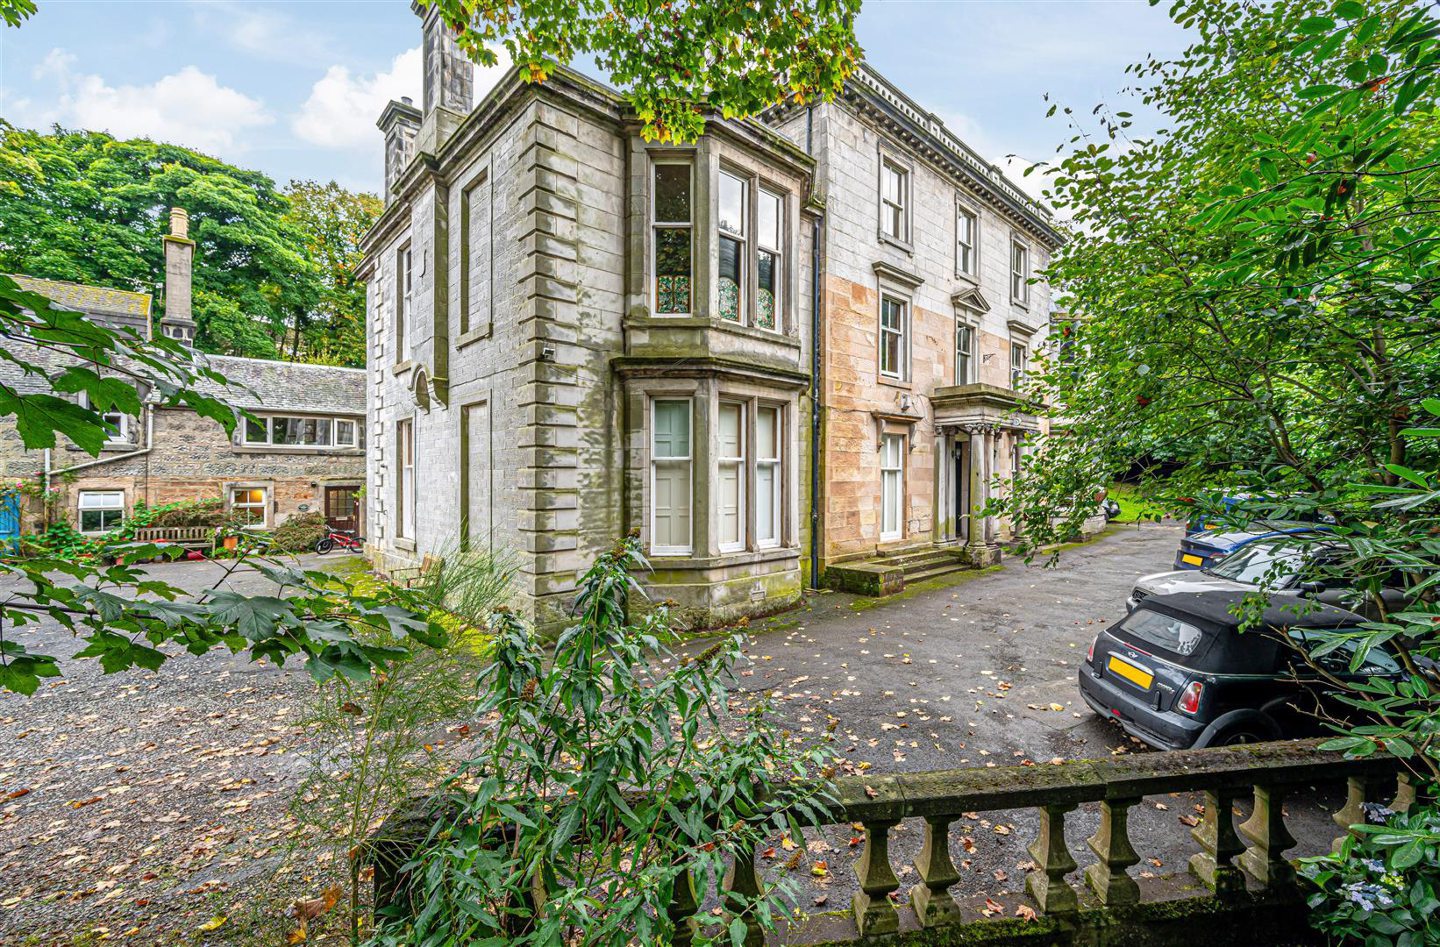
(971,422)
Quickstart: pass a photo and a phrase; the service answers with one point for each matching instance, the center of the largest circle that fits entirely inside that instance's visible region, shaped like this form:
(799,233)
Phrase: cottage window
(731,227)
(964,353)
(731,499)
(404,302)
(670,477)
(892,486)
(249,506)
(101,510)
(117,421)
(1017,365)
(894,200)
(967,230)
(769,232)
(405,478)
(316,432)
(1019,272)
(672,214)
(894,344)
(767,477)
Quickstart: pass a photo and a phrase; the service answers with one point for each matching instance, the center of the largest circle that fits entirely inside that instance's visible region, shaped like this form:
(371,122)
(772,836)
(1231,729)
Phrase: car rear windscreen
(1163,631)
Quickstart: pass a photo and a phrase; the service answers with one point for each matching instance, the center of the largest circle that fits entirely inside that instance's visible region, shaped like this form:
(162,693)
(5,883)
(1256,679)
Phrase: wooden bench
(191,537)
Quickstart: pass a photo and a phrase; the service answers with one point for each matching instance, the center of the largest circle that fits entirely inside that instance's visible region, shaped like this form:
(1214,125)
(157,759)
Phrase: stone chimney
(399,123)
(177,322)
(449,88)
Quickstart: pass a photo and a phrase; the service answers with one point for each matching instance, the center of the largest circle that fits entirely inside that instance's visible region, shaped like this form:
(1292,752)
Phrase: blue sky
(293,87)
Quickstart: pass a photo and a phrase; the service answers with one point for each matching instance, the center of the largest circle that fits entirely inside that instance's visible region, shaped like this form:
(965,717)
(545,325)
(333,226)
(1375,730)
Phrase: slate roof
(101,300)
(288,386)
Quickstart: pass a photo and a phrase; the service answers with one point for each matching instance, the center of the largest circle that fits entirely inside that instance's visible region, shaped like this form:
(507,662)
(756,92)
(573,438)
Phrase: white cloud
(188,107)
(342,108)
(259,31)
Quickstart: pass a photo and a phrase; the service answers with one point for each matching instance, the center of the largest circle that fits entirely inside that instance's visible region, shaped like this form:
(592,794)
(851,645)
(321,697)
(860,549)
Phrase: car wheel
(1237,737)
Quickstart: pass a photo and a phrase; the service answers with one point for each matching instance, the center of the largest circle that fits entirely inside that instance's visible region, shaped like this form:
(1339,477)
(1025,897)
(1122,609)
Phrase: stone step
(936,572)
(909,557)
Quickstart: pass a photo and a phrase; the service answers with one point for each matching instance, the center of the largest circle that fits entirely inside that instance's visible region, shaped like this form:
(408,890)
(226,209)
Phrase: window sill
(973,279)
(405,545)
(740,557)
(896,242)
(474,335)
(400,368)
(755,332)
(296,449)
(900,383)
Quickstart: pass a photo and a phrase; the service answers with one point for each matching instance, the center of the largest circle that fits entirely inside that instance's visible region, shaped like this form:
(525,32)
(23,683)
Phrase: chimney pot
(179,223)
(407,100)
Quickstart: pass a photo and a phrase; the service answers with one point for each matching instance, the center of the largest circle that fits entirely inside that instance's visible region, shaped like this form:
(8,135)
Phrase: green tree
(86,207)
(333,221)
(677,58)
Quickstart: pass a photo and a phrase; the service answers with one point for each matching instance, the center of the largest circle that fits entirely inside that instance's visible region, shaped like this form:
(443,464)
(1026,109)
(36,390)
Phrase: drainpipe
(815,391)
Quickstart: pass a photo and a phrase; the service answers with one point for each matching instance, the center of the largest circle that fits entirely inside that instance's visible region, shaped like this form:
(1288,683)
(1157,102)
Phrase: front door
(961,492)
(342,508)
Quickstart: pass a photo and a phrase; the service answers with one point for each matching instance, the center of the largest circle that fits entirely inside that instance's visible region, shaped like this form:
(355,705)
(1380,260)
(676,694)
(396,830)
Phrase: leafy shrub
(298,533)
(612,772)
(61,541)
(1380,888)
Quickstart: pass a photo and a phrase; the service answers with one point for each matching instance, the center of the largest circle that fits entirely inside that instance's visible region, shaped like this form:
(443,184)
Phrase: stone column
(981,548)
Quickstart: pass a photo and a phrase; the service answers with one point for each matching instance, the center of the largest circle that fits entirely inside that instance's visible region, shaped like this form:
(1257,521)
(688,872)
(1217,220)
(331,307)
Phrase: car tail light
(1090,655)
(1190,698)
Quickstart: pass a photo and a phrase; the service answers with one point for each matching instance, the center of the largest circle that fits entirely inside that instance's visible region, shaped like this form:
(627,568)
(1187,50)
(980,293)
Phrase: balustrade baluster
(1219,845)
(1109,878)
(932,901)
(682,909)
(874,914)
(742,879)
(1413,791)
(1048,886)
(1269,838)
(1359,790)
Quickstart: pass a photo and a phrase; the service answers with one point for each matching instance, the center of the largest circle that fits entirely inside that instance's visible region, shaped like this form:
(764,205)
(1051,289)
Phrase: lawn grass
(1133,507)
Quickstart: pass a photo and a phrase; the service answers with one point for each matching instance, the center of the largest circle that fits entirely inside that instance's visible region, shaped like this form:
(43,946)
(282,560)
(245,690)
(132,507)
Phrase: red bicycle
(347,539)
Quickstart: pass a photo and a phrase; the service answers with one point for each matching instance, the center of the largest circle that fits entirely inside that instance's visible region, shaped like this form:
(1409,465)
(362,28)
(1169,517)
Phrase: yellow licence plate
(1130,672)
(1192,560)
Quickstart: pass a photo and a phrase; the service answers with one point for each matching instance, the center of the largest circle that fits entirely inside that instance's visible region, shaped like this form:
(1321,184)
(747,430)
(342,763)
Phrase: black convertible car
(1178,672)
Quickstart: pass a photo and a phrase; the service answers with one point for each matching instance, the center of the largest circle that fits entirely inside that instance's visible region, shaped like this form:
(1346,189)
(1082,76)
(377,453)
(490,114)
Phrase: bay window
(101,510)
(769,232)
(731,243)
(672,215)
(731,493)
(768,483)
(670,477)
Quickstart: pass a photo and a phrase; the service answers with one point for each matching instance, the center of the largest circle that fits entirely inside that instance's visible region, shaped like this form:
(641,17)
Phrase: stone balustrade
(1241,865)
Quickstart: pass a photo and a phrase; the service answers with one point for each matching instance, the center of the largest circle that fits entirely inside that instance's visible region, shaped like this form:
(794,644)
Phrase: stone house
(302,451)
(575,333)
(931,316)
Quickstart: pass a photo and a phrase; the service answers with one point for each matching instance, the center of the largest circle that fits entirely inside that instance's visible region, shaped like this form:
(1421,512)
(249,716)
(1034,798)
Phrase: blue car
(1202,549)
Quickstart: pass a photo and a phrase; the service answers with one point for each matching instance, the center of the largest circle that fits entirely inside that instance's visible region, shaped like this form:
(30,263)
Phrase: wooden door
(342,508)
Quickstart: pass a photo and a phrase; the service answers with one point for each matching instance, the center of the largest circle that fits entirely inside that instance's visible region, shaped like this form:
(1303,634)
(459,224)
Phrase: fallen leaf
(1025,911)
(214,924)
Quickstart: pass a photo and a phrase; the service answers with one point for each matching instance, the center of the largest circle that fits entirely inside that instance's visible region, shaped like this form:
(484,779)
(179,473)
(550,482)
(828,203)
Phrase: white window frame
(404,301)
(902,371)
(896,210)
(776,253)
(1019,274)
(263,505)
(967,255)
(1019,363)
(118,419)
(688,462)
(775,465)
(95,496)
(965,329)
(742,238)
(892,478)
(735,463)
(405,492)
(333,423)
(657,225)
